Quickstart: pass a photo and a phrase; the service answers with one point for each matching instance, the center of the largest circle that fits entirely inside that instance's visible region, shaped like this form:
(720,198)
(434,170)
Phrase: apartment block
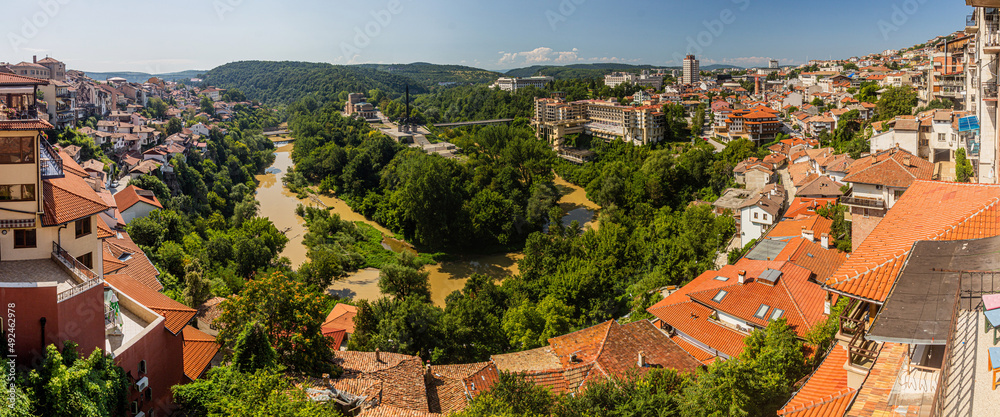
(692,72)
(513,84)
(555,119)
(981,98)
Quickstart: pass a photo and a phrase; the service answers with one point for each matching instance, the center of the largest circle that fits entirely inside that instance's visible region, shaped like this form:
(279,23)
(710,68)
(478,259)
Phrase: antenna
(406,120)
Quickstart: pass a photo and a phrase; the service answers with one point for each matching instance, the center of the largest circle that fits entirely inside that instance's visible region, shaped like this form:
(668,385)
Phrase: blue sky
(163,36)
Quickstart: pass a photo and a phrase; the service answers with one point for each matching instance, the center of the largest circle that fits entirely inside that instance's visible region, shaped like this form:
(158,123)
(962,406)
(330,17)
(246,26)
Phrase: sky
(160,36)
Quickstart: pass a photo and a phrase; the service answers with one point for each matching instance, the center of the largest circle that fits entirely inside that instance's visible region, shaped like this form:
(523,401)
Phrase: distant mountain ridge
(141,77)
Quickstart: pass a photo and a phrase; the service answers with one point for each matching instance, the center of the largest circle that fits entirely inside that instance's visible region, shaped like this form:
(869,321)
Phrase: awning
(924,299)
(17,90)
(966,124)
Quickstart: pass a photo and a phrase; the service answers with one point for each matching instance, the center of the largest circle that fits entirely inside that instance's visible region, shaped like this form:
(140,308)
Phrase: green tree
(896,101)
(174,126)
(253,351)
(403,278)
(963,168)
(511,396)
(225,392)
(67,385)
(529,326)
(292,316)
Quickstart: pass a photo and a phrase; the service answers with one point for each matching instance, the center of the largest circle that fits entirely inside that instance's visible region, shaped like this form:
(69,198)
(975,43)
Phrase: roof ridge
(903,168)
(968,218)
(784,285)
(822,400)
(604,341)
(870,269)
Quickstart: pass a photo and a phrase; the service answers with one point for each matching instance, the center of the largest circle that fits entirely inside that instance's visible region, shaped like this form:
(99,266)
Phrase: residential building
(759,124)
(761,212)
(134,202)
(933,135)
(57,272)
(877,182)
(692,71)
(515,83)
(982,97)
(645,79)
(754,173)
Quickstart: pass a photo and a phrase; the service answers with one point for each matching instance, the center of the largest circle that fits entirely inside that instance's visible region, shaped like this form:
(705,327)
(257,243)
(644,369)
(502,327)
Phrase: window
(720,278)
(941,137)
(82,227)
(762,311)
(776,314)
(17,192)
(765,217)
(148,394)
(718,297)
(17,150)
(755,216)
(87,260)
(24,239)
(142,366)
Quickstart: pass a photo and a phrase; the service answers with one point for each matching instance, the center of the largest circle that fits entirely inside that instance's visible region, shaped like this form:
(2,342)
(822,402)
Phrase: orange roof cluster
(802,206)
(927,211)
(393,381)
(604,351)
(199,349)
(341,317)
(176,315)
(793,228)
(825,393)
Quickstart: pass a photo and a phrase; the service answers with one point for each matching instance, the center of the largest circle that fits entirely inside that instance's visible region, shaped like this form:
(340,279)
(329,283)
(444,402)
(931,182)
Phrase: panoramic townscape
(792,237)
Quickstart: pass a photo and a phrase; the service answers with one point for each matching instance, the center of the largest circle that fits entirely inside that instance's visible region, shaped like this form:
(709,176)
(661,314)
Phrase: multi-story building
(57,69)
(66,275)
(692,71)
(981,78)
(554,119)
(644,79)
(759,124)
(514,83)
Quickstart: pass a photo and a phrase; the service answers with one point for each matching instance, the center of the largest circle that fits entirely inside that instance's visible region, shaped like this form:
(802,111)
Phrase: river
(278,204)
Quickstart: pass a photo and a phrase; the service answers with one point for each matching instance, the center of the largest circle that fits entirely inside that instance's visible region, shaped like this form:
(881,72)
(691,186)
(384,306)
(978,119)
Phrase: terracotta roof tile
(13,125)
(825,393)
(692,319)
(820,187)
(873,397)
(804,206)
(210,310)
(342,317)
(132,195)
(199,349)
(69,199)
(451,387)
(70,166)
(19,80)
(139,266)
(889,168)
(177,315)
(786,229)
(538,359)
(401,377)
(927,211)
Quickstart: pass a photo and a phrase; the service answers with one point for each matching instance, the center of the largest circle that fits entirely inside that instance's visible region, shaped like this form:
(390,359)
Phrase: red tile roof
(25,125)
(138,265)
(132,195)
(18,80)
(825,393)
(889,168)
(692,319)
(341,317)
(176,315)
(927,211)
(873,397)
(397,380)
(199,349)
(804,206)
(799,298)
(538,359)
(793,228)
(69,199)
(336,336)
(70,166)
(451,387)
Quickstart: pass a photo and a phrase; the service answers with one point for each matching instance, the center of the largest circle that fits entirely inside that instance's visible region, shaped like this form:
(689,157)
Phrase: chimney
(742,276)
(34,59)
(906,161)
(642,359)
(824,240)
(826,305)
(378,356)
(808,234)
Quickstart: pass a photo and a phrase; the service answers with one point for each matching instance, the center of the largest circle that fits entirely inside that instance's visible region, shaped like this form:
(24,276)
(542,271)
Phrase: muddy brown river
(278,204)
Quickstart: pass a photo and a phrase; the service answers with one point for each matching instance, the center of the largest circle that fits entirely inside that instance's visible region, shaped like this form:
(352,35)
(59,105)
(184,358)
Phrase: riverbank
(278,204)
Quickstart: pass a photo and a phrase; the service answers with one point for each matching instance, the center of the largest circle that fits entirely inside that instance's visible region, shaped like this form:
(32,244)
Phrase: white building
(513,84)
(692,71)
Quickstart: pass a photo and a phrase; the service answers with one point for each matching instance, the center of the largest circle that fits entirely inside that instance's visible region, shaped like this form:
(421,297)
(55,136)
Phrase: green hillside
(431,75)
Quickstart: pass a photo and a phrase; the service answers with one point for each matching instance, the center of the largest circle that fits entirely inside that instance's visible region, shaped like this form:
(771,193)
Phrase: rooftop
(37,271)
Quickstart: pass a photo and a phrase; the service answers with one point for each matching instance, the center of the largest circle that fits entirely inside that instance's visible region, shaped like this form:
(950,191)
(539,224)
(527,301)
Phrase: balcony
(869,203)
(971,26)
(81,271)
(991,38)
(990,91)
(49,161)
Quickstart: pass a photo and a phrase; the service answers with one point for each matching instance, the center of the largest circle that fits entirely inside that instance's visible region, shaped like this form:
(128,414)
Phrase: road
(786,181)
(718,146)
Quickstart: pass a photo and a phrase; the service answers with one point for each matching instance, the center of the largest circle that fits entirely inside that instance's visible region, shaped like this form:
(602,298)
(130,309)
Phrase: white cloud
(539,55)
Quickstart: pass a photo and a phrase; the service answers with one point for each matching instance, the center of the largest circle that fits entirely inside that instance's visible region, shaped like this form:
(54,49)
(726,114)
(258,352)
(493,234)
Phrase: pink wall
(164,356)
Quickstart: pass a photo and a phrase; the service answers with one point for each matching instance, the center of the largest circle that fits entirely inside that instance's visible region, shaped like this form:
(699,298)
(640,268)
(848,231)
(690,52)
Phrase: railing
(990,89)
(82,271)
(19,113)
(970,20)
(78,289)
(863,202)
(50,162)
(991,37)
(858,347)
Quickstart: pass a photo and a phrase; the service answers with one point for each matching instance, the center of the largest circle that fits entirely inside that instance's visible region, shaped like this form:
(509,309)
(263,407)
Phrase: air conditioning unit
(142,384)
(140,414)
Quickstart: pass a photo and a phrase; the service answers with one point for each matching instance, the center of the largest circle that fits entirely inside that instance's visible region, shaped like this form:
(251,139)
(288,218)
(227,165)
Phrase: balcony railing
(78,289)
(78,268)
(50,162)
(19,113)
(970,20)
(862,202)
(990,90)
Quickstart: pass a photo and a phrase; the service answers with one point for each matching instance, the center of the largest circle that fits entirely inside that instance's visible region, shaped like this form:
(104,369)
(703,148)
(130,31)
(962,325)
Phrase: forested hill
(432,74)
(287,82)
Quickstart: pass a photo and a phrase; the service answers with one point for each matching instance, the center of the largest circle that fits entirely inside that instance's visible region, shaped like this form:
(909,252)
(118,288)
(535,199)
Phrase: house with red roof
(134,202)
